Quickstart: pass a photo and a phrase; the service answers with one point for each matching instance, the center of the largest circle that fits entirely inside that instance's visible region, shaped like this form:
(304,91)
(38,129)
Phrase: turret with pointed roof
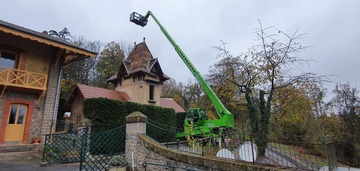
(140,76)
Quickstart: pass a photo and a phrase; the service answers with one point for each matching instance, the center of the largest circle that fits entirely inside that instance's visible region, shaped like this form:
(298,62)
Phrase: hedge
(180,118)
(106,114)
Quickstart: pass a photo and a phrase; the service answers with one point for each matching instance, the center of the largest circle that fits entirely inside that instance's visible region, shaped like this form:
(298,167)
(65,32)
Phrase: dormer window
(152,73)
(7,59)
(140,78)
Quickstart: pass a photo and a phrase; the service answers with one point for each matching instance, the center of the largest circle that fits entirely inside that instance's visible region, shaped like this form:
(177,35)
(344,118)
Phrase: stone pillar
(330,152)
(134,152)
(50,101)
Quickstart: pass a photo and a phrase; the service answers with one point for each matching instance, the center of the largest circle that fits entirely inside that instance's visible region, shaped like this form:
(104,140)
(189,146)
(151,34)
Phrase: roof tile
(139,58)
(170,103)
(96,92)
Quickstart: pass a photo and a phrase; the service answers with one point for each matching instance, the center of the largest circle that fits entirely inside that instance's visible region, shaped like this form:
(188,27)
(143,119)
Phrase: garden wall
(140,149)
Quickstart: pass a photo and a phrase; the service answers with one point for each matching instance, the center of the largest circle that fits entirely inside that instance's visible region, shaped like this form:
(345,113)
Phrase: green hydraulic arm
(226,119)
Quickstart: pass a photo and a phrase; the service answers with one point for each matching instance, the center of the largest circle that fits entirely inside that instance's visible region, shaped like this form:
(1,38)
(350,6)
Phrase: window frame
(151,92)
(16,61)
(18,105)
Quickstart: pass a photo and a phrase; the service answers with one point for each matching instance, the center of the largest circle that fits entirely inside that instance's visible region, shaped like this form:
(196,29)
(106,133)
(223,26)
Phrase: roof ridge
(39,34)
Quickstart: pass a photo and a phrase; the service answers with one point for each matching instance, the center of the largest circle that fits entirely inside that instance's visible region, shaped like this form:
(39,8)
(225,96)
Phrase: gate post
(135,125)
(84,146)
(330,152)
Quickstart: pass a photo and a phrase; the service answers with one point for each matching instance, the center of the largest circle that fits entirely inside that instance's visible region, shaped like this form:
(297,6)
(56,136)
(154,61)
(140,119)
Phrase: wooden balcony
(15,78)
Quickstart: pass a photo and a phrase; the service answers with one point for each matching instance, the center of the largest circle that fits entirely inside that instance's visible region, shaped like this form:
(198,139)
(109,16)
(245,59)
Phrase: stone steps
(19,148)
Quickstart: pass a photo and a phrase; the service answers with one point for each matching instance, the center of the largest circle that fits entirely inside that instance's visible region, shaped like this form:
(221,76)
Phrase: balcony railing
(23,79)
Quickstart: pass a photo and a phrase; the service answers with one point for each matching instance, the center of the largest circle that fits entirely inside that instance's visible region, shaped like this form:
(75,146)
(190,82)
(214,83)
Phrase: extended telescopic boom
(142,21)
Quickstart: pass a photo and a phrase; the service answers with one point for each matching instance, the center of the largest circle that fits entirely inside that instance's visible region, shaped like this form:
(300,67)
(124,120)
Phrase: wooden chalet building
(30,74)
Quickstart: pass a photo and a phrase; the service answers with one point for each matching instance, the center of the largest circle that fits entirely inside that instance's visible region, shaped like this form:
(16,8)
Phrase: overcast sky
(332,27)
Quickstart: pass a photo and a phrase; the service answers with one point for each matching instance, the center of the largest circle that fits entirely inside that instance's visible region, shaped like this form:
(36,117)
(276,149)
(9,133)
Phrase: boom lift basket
(138,19)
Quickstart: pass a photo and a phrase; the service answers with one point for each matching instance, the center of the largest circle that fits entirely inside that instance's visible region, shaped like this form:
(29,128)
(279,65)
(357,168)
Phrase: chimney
(45,32)
(134,43)
(144,39)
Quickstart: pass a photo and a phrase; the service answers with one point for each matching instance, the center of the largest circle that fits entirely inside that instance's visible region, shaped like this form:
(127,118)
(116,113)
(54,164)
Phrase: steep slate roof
(140,59)
(170,103)
(43,38)
(96,92)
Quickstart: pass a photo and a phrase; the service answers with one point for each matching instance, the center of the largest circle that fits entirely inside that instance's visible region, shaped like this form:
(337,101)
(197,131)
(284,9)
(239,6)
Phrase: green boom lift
(201,125)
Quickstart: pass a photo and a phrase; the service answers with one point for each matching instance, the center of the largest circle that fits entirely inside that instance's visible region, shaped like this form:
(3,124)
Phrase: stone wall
(36,118)
(138,91)
(50,99)
(140,148)
(77,108)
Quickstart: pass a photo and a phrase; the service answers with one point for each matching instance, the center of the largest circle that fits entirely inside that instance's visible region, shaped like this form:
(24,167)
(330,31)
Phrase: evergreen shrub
(107,114)
(180,118)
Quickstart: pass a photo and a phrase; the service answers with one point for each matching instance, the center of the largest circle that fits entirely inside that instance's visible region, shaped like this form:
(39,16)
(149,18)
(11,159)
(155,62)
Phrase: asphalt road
(30,161)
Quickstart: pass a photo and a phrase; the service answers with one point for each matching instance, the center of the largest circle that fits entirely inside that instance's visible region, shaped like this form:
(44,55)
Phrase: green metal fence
(64,147)
(160,132)
(99,148)
(93,151)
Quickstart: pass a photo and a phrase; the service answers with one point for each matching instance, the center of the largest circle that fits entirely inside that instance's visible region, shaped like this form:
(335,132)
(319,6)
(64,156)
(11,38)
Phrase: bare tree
(126,47)
(265,68)
(80,71)
(170,88)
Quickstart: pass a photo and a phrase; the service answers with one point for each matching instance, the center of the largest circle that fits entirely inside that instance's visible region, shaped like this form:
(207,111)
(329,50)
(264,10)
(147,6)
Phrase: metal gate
(93,151)
(99,148)
(64,147)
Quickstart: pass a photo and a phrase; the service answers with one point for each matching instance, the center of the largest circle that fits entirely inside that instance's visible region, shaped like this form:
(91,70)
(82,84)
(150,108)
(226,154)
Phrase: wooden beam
(11,48)
(2,92)
(59,54)
(41,95)
(69,53)
(79,57)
